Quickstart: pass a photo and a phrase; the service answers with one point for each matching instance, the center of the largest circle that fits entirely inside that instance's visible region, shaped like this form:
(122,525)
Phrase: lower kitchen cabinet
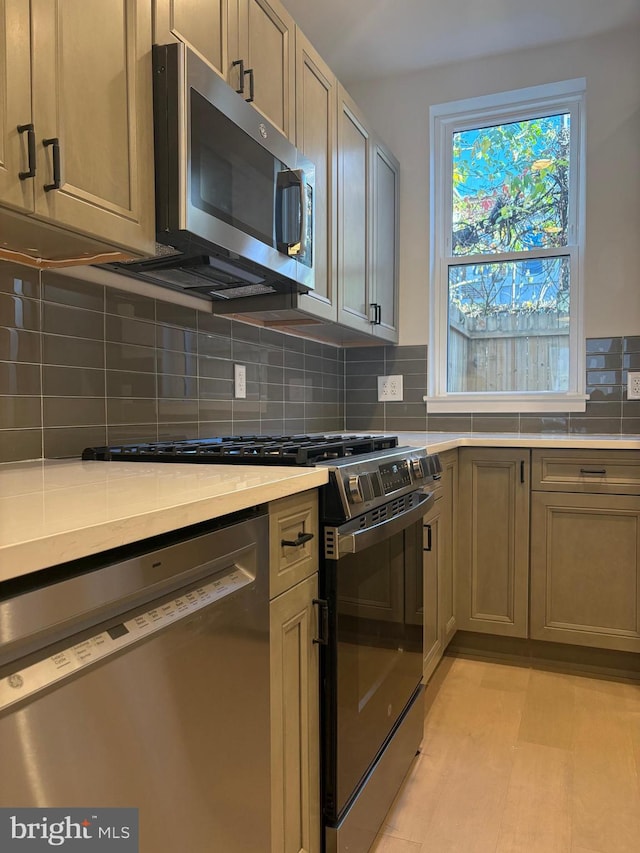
(439,598)
(585,547)
(295,761)
(295,676)
(492,559)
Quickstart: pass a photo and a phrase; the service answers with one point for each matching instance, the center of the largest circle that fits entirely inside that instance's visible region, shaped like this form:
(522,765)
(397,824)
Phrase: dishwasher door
(164,708)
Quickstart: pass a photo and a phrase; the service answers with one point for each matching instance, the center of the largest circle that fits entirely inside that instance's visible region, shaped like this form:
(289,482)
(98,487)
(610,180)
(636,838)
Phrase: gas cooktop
(252,449)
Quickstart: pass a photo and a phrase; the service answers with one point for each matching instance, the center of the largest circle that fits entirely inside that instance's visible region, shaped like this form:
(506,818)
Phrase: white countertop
(438,442)
(54,510)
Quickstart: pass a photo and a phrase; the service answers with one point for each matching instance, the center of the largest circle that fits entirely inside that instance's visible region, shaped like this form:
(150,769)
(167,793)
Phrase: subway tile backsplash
(82,364)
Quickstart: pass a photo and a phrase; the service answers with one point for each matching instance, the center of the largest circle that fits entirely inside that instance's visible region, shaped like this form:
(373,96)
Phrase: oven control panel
(358,484)
(394,475)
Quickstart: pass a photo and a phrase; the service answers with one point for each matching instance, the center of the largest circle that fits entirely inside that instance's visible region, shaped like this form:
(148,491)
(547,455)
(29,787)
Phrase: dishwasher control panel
(25,682)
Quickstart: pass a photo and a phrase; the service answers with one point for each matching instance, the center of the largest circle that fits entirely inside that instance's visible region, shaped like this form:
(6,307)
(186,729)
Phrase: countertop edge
(58,547)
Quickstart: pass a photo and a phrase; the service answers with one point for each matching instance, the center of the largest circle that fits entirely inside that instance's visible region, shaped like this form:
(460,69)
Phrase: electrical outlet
(240,380)
(389,388)
(633,386)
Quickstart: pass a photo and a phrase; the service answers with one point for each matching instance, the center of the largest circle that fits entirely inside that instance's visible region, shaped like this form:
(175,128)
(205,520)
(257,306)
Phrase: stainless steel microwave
(234,198)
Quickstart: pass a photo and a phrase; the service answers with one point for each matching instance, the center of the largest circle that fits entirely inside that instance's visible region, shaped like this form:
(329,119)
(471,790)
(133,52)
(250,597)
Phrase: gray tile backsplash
(608,410)
(82,364)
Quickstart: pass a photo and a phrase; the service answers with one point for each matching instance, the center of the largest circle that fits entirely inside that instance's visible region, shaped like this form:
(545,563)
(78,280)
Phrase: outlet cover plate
(633,385)
(390,388)
(240,381)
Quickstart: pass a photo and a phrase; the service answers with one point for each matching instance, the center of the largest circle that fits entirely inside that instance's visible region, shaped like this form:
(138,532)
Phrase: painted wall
(398,108)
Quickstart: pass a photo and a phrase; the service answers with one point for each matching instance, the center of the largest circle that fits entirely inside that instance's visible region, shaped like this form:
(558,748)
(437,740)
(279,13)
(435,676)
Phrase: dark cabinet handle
(242,72)
(427,527)
(522,470)
(323,604)
(31,148)
(599,471)
(249,71)
(377,314)
(296,543)
(55,143)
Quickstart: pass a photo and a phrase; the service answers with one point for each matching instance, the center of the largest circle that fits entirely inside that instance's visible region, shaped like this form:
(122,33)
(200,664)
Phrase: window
(507,231)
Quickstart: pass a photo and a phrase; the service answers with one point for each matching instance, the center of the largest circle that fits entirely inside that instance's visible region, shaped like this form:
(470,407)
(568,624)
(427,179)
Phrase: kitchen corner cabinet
(77,126)
(294,676)
(368,192)
(439,597)
(492,559)
(250,43)
(585,547)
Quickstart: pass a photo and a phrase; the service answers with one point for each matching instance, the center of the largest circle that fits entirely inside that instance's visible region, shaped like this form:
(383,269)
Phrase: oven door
(372,663)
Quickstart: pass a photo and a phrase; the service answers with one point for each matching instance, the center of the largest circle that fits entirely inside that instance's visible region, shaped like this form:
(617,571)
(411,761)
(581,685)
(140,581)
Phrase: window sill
(499,403)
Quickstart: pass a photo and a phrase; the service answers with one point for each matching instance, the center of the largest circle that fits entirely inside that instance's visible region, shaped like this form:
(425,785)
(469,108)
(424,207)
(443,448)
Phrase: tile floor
(519,760)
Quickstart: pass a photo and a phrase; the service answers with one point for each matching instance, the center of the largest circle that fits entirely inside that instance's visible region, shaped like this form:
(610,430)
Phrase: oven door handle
(358,540)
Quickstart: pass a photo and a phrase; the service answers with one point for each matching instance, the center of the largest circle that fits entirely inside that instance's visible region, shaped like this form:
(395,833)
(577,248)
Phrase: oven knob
(353,489)
(416,465)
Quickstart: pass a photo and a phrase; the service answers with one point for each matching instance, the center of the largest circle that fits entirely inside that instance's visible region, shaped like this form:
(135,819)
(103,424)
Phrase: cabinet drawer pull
(600,471)
(31,151)
(55,143)
(323,604)
(427,527)
(241,73)
(296,543)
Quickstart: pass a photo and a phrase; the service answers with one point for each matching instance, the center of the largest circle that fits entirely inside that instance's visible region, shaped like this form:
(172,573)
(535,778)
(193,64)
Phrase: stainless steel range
(370,583)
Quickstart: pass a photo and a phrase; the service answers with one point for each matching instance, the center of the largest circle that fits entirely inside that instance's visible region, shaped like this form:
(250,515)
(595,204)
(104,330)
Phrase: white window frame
(445,120)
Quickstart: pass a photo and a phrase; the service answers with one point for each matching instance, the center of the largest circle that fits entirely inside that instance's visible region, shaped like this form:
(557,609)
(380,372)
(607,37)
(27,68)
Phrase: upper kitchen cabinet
(262,36)
(200,24)
(385,221)
(354,224)
(15,104)
(250,43)
(368,193)
(316,113)
(77,140)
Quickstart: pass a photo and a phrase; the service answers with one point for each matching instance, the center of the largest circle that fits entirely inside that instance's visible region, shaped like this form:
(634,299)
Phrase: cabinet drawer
(614,472)
(290,520)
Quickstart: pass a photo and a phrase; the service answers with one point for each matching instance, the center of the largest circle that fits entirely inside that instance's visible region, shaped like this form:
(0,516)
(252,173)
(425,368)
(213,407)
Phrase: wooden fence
(508,352)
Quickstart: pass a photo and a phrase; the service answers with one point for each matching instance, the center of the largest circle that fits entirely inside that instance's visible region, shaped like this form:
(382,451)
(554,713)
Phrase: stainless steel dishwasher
(144,682)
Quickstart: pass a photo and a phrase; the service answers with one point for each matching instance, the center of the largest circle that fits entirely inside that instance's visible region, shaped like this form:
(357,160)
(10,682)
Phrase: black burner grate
(256,449)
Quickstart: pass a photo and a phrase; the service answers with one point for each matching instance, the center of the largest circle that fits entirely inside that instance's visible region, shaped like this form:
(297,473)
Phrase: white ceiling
(364,39)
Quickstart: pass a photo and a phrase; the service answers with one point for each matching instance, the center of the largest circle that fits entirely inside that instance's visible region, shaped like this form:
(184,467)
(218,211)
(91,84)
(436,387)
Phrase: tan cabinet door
(353,215)
(92,91)
(432,558)
(15,104)
(200,24)
(584,569)
(316,137)
(266,36)
(295,762)
(385,222)
(493,541)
